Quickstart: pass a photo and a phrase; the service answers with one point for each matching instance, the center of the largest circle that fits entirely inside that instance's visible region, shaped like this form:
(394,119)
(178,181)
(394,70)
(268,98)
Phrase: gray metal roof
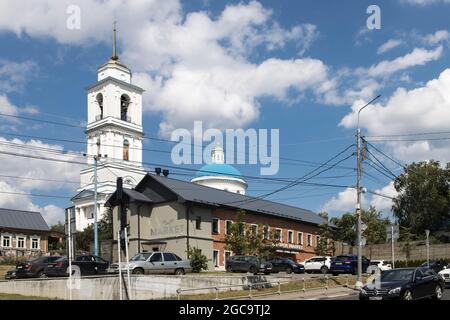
(206,195)
(25,220)
(136,196)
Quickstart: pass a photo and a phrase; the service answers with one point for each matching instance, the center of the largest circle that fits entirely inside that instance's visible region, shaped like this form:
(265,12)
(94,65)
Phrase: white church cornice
(104,82)
(112,123)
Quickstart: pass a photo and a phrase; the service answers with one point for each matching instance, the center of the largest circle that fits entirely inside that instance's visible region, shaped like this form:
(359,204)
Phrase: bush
(198,260)
(11,261)
(411,263)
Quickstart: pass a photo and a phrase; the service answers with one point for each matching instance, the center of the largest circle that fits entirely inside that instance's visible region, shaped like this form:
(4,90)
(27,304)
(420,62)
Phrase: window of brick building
(309,240)
(216,258)
(6,241)
(266,233)
(254,229)
(291,236)
(229,223)
(278,236)
(35,243)
(300,238)
(215,225)
(20,242)
(198,223)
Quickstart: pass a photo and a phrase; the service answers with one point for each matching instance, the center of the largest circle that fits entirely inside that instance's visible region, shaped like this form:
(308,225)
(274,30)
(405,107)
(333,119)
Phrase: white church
(114,136)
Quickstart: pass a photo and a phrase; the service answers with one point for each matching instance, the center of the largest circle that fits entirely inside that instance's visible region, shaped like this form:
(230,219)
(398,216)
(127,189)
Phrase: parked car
(282,264)
(11,274)
(437,266)
(445,274)
(405,284)
(251,264)
(34,268)
(348,263)
(378,265)
(318,264)
(155,262)
(89,265)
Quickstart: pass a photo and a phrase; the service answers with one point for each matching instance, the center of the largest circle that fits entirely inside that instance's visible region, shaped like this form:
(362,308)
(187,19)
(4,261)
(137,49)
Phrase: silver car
(155,263)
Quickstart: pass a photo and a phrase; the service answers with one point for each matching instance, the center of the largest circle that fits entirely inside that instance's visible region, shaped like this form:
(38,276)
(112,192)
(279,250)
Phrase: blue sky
(321,61)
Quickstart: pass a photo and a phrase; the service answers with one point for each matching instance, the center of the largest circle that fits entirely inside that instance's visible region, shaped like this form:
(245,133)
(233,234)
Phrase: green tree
(325,246)
(346,226)
(375,232)
(59,227)
(235,239)
(423,200)
(198,260)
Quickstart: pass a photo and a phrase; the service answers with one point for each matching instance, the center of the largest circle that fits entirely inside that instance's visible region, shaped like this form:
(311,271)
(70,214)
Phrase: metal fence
(274,287)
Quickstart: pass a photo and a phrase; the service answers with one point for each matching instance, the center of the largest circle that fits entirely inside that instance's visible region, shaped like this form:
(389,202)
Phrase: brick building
(171,215)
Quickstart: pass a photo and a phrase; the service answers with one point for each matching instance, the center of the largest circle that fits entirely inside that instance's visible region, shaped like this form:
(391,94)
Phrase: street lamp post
(427,233)
(358,192)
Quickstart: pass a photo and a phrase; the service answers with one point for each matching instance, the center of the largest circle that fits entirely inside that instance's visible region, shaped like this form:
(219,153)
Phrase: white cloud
(389,45)
(424,2)
(423,109)
(437,37)
(345,201)
(14,75)
(16,166)
(418,56)
(382,203)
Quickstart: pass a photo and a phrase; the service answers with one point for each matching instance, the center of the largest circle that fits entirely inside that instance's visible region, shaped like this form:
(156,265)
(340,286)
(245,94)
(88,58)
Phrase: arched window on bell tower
(99,100)
(126,150)
(124,104)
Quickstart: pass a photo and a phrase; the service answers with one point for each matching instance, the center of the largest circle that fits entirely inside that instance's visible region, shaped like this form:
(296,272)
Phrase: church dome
(218,169)
(220,175)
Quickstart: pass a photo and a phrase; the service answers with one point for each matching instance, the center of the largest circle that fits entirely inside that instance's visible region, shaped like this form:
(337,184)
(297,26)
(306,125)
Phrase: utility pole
(358,194)
(95,208)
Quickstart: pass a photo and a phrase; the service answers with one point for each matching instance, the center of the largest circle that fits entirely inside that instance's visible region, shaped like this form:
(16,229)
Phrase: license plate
(19,267)
(375,298)
(339,263)
(50,266)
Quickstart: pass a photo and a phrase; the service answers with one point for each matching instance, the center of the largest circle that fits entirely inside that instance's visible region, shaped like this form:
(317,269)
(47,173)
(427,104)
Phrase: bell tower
(114,135)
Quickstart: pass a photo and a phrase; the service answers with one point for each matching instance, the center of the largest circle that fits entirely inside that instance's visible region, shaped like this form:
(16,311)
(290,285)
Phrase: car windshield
(141,256)
(343,258)
(397,275)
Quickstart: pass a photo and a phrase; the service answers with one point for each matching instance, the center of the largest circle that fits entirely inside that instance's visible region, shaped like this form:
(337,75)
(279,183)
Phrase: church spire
(114,52)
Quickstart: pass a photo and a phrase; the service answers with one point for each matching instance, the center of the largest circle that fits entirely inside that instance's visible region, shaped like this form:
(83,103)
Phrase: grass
(296,285)
(4,269)
(5,296)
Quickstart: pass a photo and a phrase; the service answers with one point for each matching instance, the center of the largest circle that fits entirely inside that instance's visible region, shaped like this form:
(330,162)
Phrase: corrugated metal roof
(202,194)
(26,220)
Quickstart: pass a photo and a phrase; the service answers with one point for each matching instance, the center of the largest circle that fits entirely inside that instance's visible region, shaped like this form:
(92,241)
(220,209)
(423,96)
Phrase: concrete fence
(418,251)
(143,287)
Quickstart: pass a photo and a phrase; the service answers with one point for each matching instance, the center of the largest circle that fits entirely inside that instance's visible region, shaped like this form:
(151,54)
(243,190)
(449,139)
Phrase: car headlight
(262,265)
(395,291)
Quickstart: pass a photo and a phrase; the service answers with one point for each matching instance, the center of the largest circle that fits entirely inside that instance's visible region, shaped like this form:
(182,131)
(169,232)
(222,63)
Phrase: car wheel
(41,275)
(324,270)
(407,295)
(288,270)
(138,271)
(437,293)
(229,269)
(179,272)
(335,274)
(253,270)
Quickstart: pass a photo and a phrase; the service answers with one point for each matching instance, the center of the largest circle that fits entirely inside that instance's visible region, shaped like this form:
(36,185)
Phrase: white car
(445,274)
(376,265)
(318,264)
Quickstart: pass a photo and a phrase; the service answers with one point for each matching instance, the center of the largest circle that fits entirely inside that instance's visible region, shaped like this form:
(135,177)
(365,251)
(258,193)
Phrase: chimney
(158,171)
(165,172)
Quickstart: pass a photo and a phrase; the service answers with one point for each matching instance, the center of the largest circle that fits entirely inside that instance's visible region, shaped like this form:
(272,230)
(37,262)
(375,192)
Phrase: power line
(382,165)
(35,195)
(409,134)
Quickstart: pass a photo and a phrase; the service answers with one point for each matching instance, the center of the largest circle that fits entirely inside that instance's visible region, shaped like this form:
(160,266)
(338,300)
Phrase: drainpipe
(139,228)
(188,209)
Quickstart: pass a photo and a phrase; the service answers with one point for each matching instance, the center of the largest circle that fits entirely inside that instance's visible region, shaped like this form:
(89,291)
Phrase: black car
(34,268)
(280,264)
(347,263)
(88,265)
(11,274)
(405,284)
(251,264)
(437,266)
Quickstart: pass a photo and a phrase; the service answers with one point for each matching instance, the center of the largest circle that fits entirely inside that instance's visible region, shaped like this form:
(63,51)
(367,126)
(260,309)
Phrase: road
(355,297)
